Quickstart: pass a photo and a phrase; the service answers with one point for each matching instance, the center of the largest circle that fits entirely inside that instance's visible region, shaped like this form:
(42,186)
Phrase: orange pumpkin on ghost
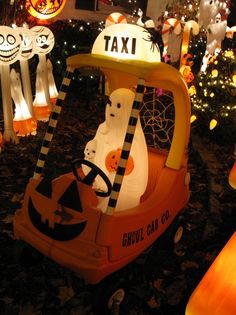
(112,162)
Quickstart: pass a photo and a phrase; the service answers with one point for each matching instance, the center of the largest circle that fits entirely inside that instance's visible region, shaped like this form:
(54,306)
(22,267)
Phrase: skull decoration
(9,45)
(44,39)
(45,9)
(27,43)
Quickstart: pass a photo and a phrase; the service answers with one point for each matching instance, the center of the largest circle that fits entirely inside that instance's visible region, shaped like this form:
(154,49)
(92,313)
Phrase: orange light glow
(216,293)
(1,141)
(25,127)
(232,176)
(42,112)
(44,10)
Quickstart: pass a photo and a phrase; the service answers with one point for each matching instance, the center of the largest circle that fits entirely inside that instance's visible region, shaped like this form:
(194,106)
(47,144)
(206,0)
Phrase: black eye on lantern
(118,105)
(11,39)
(1,39)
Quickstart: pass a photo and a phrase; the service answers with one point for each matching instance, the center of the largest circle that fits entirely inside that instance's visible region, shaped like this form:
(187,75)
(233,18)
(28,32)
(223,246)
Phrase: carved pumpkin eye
(1,39)
(11,39)
(118,105)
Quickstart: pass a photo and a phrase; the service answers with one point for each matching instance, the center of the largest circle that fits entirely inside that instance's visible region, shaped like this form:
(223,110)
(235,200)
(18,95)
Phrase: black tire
(170,238)
(102,295)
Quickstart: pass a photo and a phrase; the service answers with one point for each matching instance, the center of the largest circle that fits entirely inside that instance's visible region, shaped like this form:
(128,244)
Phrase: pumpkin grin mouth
(59,231)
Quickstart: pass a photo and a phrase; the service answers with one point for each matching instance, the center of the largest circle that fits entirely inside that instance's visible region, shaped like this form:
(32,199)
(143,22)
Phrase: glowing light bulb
(213,124)
(193,118)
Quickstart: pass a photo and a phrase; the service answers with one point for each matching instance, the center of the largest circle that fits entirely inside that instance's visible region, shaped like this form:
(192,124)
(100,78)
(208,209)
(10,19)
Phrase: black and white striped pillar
(126,147)
(53,123)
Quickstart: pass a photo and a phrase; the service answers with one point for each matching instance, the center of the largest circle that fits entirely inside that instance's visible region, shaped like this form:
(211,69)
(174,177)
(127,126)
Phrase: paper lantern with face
(45,9)
(9,45)
(109,138)
(44,39)
(27,43)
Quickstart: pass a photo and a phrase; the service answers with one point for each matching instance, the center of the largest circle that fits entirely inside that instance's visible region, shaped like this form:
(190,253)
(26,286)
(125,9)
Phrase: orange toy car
(60,218)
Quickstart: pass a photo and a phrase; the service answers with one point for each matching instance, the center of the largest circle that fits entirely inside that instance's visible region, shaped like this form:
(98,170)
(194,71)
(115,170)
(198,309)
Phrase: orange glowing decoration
(112,162)
(45,9)
(232,176)
(216,293)
(23,123)
(1,142)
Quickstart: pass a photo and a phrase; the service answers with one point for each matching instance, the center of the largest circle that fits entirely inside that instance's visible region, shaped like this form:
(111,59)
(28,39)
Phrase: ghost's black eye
(118,105)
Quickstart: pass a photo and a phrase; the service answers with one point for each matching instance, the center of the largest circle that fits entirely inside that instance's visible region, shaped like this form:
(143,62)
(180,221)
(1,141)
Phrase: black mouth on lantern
(60,232)
(45,46)
(27,51)
(8,55)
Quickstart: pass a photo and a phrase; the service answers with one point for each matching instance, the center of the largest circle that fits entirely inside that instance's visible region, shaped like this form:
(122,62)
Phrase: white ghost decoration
(110,137)
(23,122)
(40,103)
(90,150)
(207,12)
(215,34)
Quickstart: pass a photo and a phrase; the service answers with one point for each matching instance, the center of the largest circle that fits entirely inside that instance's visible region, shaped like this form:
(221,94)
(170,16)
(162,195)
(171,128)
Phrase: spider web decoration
(157,118)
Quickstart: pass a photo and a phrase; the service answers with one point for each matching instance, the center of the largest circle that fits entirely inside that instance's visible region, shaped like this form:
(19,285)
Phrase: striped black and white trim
(53,123)
(126,147)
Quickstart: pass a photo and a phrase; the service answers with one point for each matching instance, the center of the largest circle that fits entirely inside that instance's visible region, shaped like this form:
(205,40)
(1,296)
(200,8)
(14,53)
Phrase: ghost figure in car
(110,136)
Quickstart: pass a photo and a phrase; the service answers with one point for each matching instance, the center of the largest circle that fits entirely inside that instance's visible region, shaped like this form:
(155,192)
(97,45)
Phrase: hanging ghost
(215,34)
(110,137)
(44,43)
(207,12)
(23,122)
(40,104)
(27,52)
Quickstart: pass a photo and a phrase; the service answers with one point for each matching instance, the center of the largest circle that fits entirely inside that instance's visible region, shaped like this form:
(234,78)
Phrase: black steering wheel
(92,174)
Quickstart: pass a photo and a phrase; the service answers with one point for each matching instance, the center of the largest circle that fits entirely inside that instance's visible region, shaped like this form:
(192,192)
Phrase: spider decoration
(155,38)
